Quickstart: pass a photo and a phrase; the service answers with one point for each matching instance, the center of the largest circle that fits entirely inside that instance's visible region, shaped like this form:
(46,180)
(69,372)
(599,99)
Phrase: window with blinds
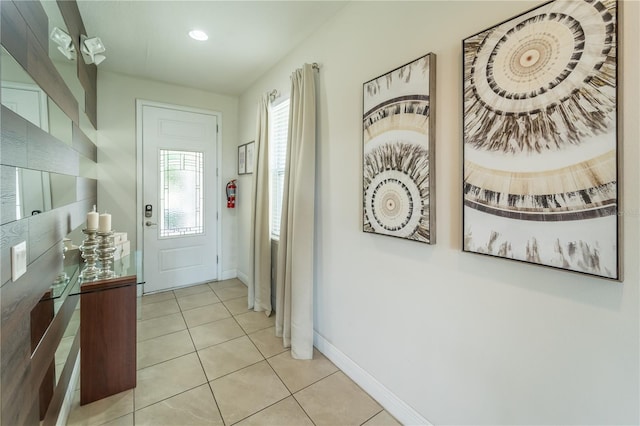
(279,129)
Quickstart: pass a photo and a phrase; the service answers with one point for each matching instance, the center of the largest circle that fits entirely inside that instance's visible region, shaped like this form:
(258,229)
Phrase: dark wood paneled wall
(14,138)
(26,145)
(21,41)
(24,34)
(41,316)
(7,194)
(51,339)
(82,144)
(87,74)
(13,31)
(63,384)
(35,18)
(19,394)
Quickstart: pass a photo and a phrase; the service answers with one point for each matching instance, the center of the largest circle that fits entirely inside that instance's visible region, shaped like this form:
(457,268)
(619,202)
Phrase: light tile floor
(204,359)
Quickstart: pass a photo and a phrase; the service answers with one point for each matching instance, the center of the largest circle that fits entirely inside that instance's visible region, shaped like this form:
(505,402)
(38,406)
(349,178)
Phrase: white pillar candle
(104,224)
(92,220)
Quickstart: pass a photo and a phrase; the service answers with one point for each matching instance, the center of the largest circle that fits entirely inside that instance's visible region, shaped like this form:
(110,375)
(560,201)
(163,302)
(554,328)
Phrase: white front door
(180,190)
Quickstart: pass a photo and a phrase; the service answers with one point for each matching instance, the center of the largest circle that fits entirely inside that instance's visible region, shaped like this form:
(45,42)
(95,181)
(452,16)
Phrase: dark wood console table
(107,337)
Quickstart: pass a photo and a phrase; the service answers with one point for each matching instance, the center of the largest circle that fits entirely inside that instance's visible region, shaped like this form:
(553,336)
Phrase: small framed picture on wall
(250,158)
(242,159)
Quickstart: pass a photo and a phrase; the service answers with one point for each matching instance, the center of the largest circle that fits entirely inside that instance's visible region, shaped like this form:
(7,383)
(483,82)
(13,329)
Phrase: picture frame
(250,157)
(242,163)
(398,145)
(540,142)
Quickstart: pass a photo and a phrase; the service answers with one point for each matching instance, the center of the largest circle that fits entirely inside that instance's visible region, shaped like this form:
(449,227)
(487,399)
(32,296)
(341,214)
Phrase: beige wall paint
(461,338)
(117,96)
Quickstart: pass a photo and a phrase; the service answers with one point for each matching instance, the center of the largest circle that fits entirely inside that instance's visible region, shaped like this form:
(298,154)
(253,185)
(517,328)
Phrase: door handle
(149,223)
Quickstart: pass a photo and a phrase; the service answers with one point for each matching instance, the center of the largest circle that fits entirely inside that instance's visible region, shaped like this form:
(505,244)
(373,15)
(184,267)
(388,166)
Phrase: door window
(181,193)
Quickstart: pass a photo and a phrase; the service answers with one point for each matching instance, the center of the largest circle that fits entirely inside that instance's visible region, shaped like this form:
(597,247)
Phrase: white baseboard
(243,277)
(65,410)
(394,405)
(228,274)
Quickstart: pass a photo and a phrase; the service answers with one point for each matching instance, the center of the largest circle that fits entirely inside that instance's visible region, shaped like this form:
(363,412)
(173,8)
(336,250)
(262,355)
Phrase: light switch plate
(18,260)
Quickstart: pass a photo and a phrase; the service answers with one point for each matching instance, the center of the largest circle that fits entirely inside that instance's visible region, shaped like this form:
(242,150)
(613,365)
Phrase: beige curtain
(295,274)
(259,294)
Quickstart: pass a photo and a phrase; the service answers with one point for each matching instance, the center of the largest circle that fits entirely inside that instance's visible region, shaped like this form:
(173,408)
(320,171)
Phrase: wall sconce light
(91,49)
(64,42)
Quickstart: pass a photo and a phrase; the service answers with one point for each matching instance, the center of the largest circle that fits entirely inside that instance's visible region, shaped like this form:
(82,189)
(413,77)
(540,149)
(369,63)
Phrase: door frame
(43,106)
(140,103)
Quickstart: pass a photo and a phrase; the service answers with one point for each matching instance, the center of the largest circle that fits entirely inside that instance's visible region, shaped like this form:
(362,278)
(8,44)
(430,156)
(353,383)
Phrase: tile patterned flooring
(204,359)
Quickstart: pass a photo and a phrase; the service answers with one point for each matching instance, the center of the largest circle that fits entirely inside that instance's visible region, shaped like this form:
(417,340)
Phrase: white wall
(461,338)
(117,96)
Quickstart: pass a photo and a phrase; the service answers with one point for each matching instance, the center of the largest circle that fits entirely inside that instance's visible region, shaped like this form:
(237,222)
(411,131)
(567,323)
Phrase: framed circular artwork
(540,170)
(398,152)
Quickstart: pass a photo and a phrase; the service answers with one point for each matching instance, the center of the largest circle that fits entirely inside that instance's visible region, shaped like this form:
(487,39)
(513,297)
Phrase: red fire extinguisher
(231,194)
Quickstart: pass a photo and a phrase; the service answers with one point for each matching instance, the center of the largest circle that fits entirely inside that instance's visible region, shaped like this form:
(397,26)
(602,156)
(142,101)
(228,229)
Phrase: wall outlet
(18,260)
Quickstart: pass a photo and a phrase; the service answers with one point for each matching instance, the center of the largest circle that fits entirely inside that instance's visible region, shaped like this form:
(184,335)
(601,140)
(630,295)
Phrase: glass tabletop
(125,272)
(70,281)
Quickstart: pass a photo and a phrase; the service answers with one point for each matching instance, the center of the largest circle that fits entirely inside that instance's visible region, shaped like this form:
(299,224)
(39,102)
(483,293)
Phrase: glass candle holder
(88,249)
(106,249)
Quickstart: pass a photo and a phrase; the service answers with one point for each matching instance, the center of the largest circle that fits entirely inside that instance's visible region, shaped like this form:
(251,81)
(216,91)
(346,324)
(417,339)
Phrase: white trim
(228,274)
(139,214)
(139,178)
(244,278)
(394,405)
(65,410)
(219,210)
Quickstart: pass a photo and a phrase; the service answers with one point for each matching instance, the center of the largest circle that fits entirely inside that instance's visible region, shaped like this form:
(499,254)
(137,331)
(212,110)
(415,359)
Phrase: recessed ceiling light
(198,35)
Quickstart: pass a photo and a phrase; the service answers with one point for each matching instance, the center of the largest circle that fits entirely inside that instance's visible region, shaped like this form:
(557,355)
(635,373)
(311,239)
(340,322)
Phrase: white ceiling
(246,38)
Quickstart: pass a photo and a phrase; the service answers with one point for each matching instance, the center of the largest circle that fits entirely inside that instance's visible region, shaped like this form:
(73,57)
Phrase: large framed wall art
(540,139)
(398,143)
